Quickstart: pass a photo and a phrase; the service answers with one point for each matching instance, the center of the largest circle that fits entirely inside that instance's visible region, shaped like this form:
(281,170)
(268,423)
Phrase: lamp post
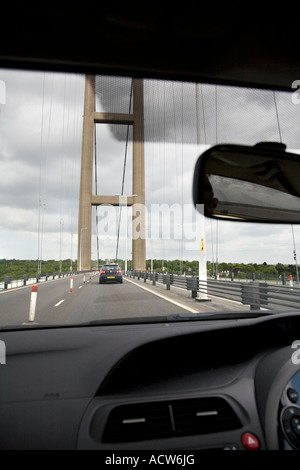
(83,228)
(126,234)
(201,221)
(295,256)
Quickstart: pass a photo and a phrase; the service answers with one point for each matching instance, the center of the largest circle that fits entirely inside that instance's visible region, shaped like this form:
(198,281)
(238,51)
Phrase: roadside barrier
(10,283)
(253,293)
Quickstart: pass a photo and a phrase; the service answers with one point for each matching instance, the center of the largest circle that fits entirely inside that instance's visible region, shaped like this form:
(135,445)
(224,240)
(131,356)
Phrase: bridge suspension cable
(96,192)
(43,179)
(124,172)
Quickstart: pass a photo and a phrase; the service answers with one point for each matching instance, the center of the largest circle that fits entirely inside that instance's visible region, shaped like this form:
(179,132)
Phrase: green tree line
(16,268)
(235,270)
(246,271)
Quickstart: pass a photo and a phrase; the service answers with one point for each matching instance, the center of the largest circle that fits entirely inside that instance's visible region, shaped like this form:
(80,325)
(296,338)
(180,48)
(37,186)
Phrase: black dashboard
(220,384)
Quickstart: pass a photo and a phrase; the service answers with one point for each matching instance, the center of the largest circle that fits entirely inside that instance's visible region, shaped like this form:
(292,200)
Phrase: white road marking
(79,287)
(59,303)
(165,298)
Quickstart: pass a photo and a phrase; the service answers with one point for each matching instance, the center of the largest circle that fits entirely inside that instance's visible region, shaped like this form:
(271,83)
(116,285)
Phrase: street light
(83,228)
(295,255)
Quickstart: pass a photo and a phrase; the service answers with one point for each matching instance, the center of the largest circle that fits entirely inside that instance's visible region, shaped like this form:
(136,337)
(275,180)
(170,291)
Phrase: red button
(250,441)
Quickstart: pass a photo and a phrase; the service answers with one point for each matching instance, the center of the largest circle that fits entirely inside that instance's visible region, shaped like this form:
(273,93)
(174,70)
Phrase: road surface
(89,301)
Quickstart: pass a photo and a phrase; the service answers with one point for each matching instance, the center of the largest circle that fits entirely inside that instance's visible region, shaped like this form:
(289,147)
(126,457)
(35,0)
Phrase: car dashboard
(197,385)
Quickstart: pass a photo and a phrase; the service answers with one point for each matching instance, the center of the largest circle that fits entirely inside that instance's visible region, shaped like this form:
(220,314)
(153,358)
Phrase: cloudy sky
(41,118)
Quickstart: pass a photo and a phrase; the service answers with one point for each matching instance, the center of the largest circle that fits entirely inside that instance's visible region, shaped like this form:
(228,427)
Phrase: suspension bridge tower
(87,199)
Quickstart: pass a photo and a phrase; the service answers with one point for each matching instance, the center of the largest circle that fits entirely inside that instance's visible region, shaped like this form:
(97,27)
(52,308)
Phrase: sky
(41,116)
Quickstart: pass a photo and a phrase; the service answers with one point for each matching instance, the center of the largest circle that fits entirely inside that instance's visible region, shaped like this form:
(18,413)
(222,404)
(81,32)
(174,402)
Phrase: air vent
(157,420)
(144,421)
(204,416)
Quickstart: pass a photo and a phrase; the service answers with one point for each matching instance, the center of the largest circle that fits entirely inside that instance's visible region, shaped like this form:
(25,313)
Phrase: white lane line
(165,298)
(59,303)
(79,287)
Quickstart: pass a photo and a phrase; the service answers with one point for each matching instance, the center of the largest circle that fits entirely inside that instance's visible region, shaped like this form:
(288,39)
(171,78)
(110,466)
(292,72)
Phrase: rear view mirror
(257,184)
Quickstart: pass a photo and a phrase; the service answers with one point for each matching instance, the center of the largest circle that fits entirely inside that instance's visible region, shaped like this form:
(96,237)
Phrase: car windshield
(97,174)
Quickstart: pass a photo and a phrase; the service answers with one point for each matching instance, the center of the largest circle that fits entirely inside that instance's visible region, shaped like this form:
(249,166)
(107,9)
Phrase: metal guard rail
(10,283)
(253,293)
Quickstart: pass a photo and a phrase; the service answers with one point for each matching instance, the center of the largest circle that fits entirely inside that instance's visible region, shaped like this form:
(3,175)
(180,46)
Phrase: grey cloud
(49,145)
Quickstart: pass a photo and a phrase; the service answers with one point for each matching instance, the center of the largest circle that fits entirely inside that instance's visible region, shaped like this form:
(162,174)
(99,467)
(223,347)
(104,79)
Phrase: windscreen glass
(98,170)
